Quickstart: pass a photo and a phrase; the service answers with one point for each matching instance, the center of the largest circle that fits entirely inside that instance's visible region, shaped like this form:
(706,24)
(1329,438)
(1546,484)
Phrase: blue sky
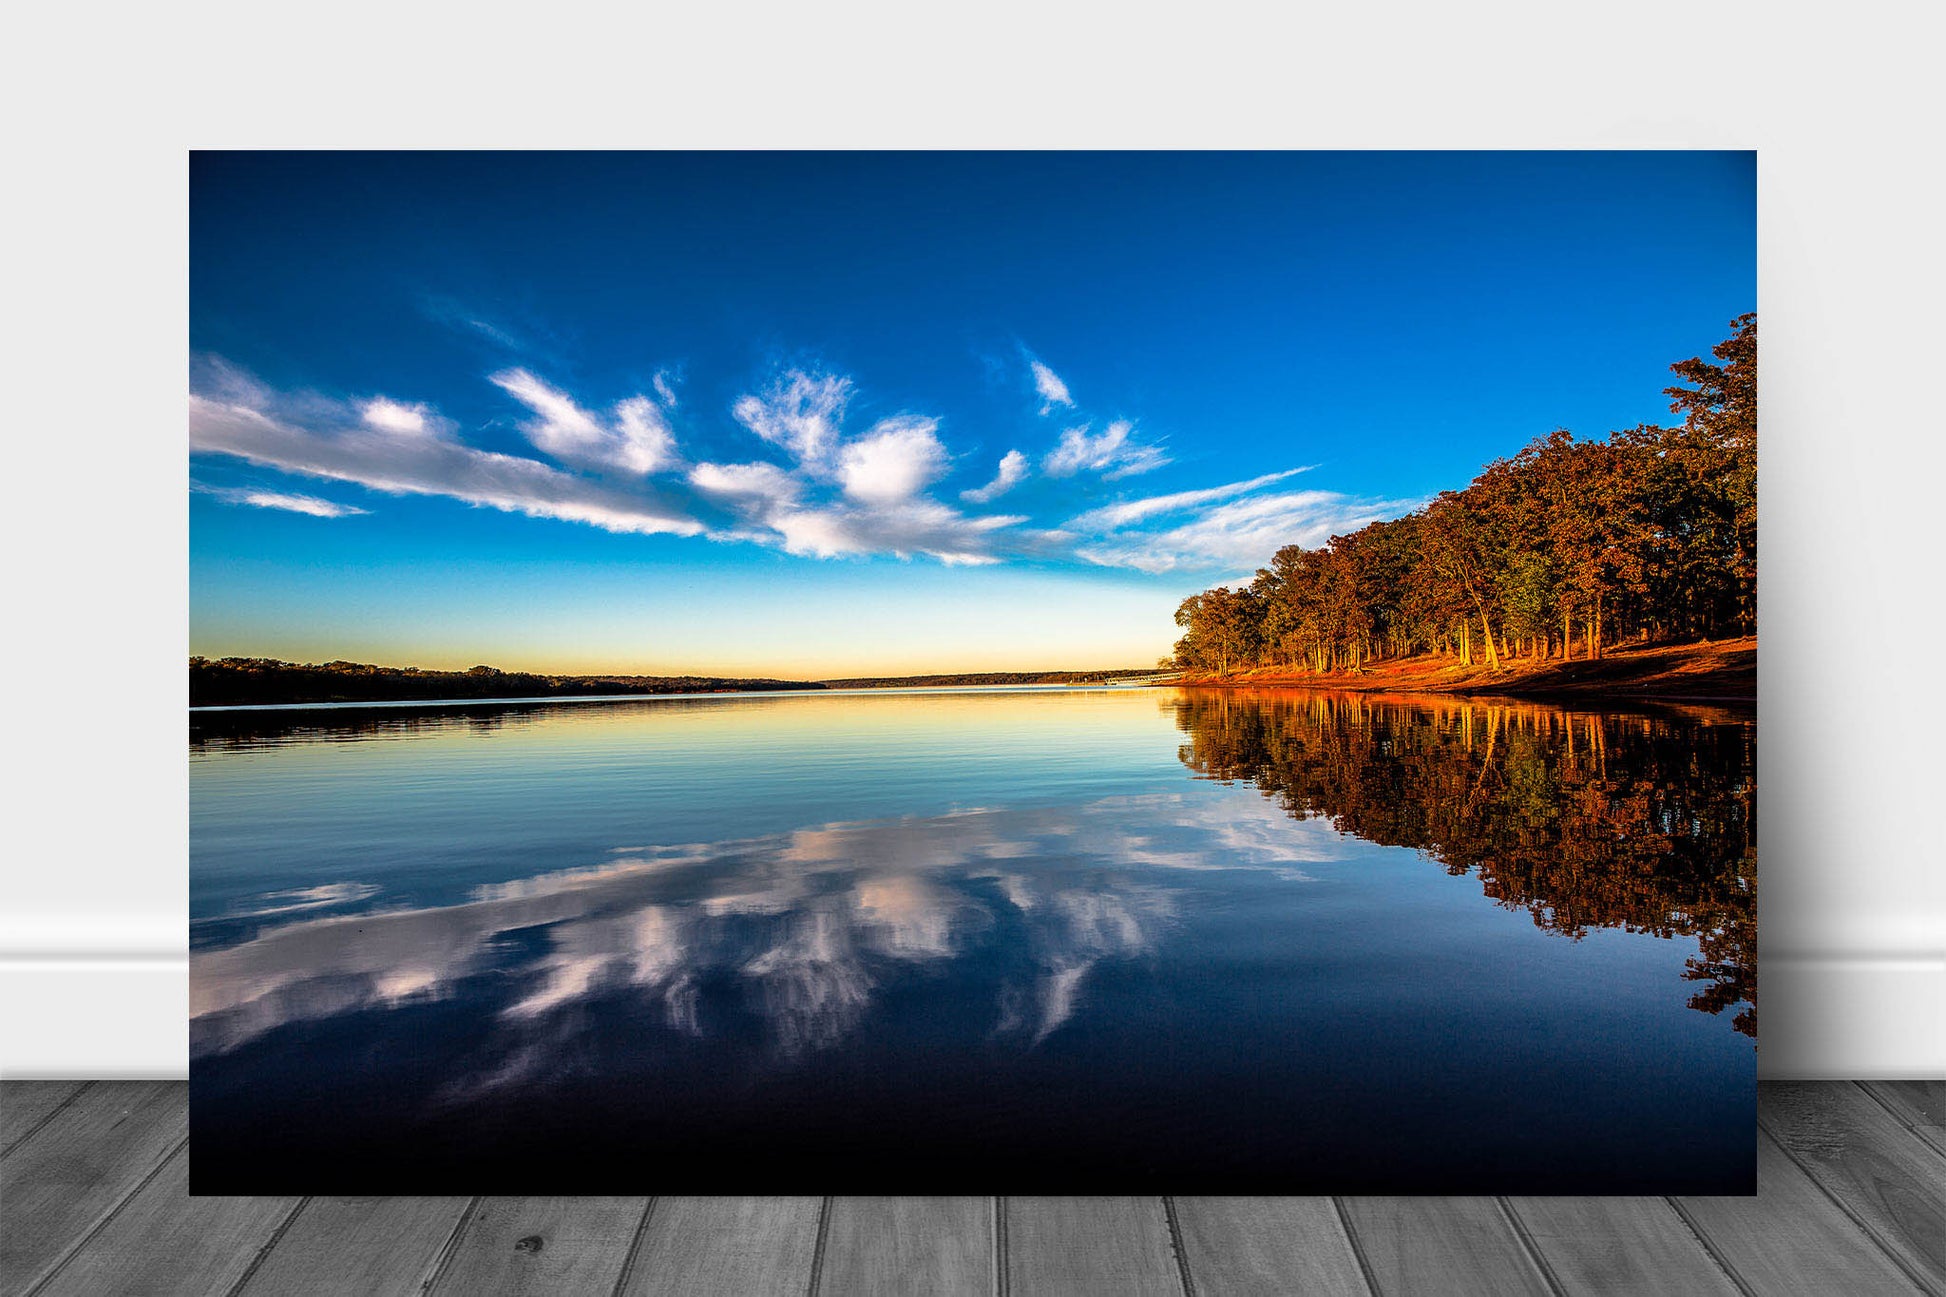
(819,414)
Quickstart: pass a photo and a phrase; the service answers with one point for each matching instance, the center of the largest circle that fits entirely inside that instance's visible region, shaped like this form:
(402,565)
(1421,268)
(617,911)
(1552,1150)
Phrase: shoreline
(533,700)
(1722,672)
(269,683)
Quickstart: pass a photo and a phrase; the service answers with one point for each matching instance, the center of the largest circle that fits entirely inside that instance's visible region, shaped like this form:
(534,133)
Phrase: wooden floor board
(67,1176)
(1240,1247)
(1450,1247)
(512,1247)
(1620,1246)
(1085,1246)
(375,1247)
(1921,1105)
(1875,1167)
(1790,1239)
(726,1247)
(941,1246)
(24,1105)
(164,1243)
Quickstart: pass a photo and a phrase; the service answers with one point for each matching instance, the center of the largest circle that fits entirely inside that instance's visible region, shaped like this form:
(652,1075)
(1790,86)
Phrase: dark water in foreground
(998,941)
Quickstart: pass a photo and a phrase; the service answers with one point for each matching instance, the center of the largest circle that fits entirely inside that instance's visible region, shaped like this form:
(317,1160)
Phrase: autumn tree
(1650,531)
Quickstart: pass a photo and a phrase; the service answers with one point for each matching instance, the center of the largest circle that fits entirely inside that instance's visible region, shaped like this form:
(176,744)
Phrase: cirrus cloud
(800,412)
(839,495)
(1013,470)
(1111,454)
(903,529)
(284,501)
(1052,390)
(759,482)
(1242,533)
(1113,516)
(315,437)
(637,440)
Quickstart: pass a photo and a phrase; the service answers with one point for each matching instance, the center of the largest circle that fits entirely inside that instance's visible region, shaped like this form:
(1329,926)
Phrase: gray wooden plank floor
(93,1199)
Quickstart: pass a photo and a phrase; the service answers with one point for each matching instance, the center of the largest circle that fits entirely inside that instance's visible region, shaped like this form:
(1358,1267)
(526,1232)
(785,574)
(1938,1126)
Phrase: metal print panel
(1009,672)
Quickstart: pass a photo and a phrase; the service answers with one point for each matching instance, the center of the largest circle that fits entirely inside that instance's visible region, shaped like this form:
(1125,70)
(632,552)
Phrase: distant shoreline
(994,678)
(1723,671)
(270,683)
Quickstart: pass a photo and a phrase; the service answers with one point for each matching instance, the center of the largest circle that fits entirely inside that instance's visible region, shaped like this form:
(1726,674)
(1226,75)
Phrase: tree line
(234,681)
(1565,549)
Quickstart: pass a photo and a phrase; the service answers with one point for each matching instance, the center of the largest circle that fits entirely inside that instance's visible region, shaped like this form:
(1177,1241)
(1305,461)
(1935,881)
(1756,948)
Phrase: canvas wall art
(973,673)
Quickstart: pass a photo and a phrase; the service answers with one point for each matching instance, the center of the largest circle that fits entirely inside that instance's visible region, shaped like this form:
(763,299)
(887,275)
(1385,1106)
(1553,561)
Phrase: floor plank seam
(1890,1253)
(1715,1254)
(1878,1101)
(1002,1283)
(263,1252)
(50,1115)
(101,1222)
(1357,1248)
(1176,1246)
(817,1252)
(634,1247)
(1922,1134)
(450,1248)
(1531,1248)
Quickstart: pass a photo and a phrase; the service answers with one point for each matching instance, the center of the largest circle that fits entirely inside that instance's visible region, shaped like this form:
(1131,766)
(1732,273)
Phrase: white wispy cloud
(637,439)
(456,315)
(1052,390)
(647,443)
(393,416)
(1242,533)
(838,496)
(315,437)
(800,412)
(1111,454)
(1114,516)
(904,528)
(286,501)
(882,475)
(761,482)
(1013,469)
(896,460)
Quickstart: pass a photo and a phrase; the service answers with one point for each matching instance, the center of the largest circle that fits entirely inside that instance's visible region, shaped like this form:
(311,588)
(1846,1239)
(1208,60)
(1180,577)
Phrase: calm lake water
(978,941)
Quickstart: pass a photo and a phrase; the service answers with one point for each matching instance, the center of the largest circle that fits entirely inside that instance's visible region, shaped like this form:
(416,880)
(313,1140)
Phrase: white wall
(99,115)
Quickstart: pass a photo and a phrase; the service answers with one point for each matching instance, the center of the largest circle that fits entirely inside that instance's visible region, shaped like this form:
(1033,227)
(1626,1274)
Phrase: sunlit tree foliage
(1564,550)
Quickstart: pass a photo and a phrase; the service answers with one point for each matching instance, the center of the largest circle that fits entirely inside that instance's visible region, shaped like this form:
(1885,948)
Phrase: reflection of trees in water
(1645,823)
(242,730)
(246,728)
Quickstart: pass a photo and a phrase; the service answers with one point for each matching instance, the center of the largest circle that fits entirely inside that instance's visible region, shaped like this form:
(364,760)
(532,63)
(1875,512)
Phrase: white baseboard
(1834,1017)
(1822,1017)
(94,1018)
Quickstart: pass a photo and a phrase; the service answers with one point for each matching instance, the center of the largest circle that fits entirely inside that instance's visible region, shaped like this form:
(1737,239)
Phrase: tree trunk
(1486,627)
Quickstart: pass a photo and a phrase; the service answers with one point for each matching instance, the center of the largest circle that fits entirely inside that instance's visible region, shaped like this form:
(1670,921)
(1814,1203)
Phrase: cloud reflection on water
(809,926)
